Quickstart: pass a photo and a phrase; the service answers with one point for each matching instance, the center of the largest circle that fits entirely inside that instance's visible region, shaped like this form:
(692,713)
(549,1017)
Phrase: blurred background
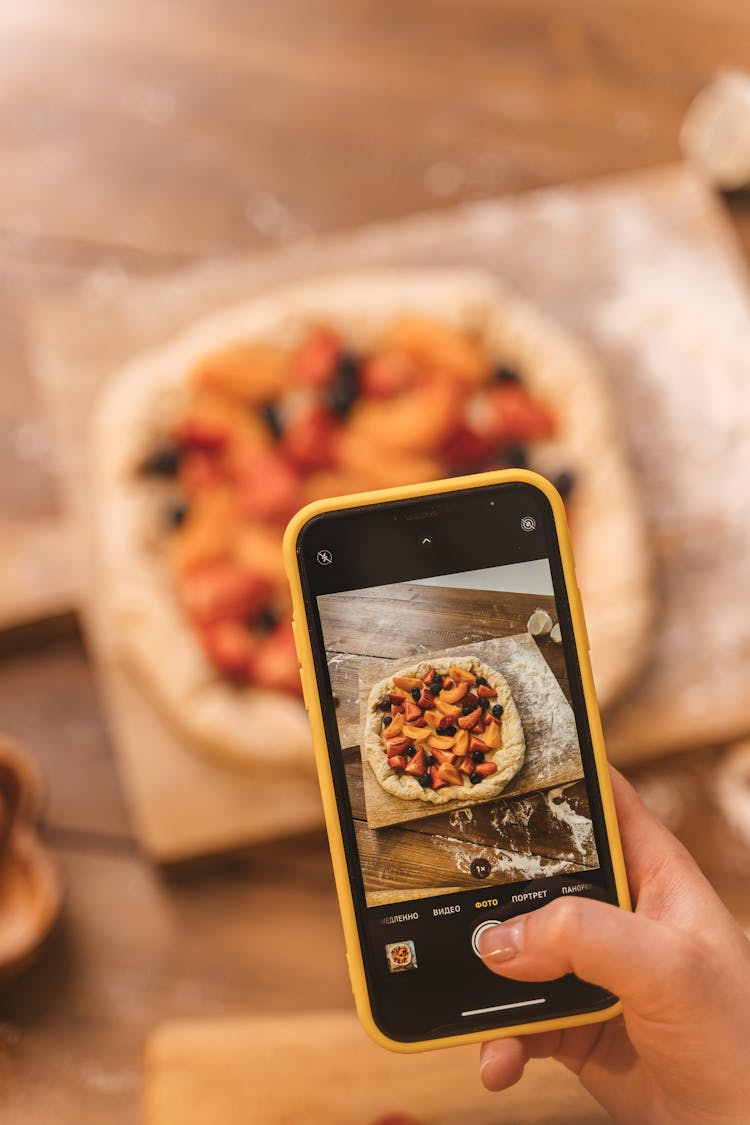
(162,159)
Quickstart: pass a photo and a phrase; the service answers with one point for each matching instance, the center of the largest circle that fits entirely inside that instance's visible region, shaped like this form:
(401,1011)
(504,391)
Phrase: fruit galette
(205,449)
(444,731)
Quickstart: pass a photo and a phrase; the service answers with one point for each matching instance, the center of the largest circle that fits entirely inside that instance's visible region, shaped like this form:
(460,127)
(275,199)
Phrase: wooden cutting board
(321,1069)
(643,267)
(552,753)
(40,572)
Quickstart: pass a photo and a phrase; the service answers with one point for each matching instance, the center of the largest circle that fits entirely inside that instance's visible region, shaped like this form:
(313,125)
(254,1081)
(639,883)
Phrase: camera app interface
(465,779)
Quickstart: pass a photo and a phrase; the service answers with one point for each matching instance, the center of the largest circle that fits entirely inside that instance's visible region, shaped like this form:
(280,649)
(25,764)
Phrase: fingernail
(501,943)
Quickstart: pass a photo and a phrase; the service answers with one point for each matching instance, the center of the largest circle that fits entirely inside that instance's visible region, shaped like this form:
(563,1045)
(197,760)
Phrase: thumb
(629,955)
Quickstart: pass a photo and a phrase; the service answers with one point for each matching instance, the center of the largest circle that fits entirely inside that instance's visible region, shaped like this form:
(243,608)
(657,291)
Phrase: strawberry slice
(230,648)
(486,692)
(411,711)
(471,700)
(397,746)
(426,700)
(396,696)
(485,769)
(441,756)
(200,470)
(512,415)
(466,765)
(268,486)
(418,764)
(477,744)
(313,364)
(466,447)
(397,762)
(274,663)
(466,722)
(437,781)
(220,590)
(429,676)
(308,440)
(205,433)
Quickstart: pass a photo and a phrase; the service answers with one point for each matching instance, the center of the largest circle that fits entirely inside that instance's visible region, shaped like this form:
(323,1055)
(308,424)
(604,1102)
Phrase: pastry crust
(508,758)
(143,400)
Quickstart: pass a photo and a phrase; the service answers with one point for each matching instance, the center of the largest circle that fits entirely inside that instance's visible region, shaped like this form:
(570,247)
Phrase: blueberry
(164,461)
(387,720)
(503,374)
(450,731)
(344,389)
(267,620)
(270,415)
(564,483)
(467,709)
(410,752)
(515,455)
(425,780)
(436,685)
(430,760)
(484,703)
(384,705)
(177,513)
(475,778)
(497,710)
(416,694)
(483,681)
(478,756)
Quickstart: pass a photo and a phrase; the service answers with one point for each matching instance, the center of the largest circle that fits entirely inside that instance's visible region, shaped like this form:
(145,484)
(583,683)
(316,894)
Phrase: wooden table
(133,143)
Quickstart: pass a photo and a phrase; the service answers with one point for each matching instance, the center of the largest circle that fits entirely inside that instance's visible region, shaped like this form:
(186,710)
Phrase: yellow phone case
(313,705)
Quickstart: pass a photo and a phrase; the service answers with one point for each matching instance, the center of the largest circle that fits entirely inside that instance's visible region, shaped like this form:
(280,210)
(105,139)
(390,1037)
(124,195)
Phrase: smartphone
(445,668)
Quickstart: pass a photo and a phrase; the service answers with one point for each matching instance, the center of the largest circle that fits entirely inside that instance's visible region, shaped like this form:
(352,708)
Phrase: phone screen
(459,745)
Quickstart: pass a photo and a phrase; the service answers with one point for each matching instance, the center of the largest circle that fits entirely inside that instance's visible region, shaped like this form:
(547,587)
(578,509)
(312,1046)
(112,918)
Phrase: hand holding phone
(448,738)
(680,964)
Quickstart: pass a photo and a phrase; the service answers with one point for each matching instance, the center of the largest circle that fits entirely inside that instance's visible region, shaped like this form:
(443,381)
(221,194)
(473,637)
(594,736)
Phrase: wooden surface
(236,1073)
(217,128)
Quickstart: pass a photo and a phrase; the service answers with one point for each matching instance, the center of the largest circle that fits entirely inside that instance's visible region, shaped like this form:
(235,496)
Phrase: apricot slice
(461,743)
(449,773)
(418,734)
(440,741)
(407,683)
(394,729)
(492,736)
(454,695)
(447,709)
(462,675)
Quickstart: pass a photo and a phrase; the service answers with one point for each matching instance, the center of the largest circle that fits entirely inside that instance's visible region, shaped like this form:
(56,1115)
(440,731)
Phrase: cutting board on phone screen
(321,1069)
(645,269)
